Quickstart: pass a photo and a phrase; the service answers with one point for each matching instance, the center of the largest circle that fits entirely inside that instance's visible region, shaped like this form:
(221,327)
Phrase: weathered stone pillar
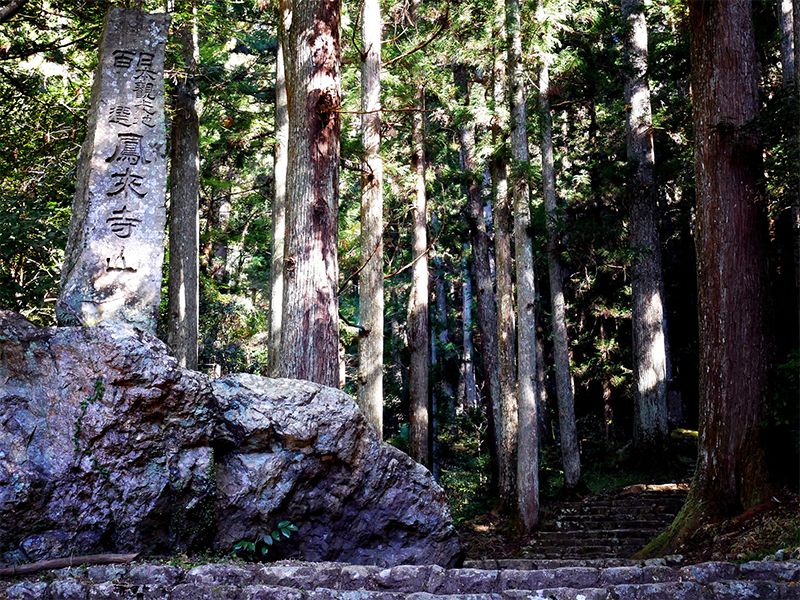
(115,250)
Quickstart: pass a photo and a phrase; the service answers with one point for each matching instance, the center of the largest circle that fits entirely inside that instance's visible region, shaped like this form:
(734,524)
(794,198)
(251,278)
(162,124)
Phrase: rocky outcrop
(305,453)
(107,445)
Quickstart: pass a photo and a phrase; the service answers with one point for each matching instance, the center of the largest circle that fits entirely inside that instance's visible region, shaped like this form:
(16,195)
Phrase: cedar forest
(552,247)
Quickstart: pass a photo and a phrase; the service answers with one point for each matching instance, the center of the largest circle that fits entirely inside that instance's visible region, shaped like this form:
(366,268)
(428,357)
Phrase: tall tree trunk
(796,204)
(796,44)
(541,389)
(487,310)
(418,320)
(434,390)
(786,24)
(650,425)
(528,447)
(310,329)
(468,367)
(396,370)
(731,241)
(441,335)
(370,280)
(732,266)
(570,452)
(184,221)
(506,423)
(278,202)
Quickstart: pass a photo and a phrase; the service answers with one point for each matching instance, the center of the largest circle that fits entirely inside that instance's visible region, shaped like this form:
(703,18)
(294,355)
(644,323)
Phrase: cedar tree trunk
(278,202)
(528,447)
(184,220)
(418,320)
(650,425)
(370,279)
(570,452)
(310,324)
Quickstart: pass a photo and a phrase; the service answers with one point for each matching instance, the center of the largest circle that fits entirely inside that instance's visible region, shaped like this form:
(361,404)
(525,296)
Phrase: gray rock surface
(104,443)
(305,453)
(338,581)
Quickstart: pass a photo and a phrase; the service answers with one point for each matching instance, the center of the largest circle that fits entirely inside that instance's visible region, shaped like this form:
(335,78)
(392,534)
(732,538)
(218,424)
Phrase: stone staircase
(485,580)
(612,525)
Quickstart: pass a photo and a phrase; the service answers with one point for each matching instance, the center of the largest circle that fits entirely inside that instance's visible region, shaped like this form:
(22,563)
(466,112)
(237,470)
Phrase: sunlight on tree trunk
(370,280)
(184,221)
(731,242)
(505,412)
(528,446)
(650,426)
(570,451)
(418,320)
(310,327)
(278,199)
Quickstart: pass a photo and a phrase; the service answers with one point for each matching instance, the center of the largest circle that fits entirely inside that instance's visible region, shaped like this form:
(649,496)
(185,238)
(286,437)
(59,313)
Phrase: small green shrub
(256,549)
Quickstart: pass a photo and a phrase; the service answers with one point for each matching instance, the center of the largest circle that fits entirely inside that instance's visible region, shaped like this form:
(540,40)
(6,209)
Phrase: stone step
(629,499)
(535,564)
(628,510)
(683,590)
(583,534)
(298,581)
(673,590)
(601,524)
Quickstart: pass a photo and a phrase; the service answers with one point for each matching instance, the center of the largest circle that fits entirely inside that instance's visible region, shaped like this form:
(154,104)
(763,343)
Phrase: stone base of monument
(552,580)
(107,445)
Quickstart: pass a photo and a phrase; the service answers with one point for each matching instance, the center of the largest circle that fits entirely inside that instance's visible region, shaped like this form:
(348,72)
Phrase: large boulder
(105,443)
(305,453)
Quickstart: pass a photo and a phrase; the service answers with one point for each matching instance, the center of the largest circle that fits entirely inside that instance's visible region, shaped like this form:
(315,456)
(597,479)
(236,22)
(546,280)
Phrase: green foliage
(45,84)
(257,549)
(48,53)
(465,470)
(232,332)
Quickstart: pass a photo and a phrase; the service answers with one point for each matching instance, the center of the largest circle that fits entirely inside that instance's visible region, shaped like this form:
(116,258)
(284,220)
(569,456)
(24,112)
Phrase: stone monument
(112,265)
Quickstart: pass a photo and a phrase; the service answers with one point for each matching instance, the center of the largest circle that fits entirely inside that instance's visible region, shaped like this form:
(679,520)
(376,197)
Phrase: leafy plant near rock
(257,549)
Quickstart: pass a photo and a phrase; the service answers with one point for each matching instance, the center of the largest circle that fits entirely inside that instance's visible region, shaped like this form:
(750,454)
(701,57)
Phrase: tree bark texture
(528,447)
(441,333)
(570,451)
(796,44)
(370,279)
(418,319)
(468,367)
(650,426)
(11,9)
(505,413)
(310,329)
(786,24)
(796,204)
(732,258)
(278,201)
(487,309)
(184,220)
